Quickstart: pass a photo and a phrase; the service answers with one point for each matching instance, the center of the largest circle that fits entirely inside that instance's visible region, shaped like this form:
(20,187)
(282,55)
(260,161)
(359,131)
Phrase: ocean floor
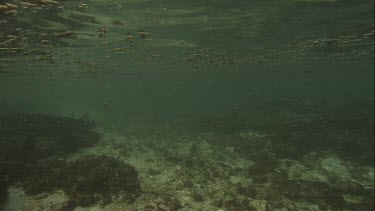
(180,171)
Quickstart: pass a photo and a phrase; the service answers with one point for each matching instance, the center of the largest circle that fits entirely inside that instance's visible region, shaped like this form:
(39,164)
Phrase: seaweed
(263,165)
(87,181)
(3,191)
(10,172)
(323,194)
(28,138)
(248,191)
(347,134)
(45,176)
(160,202)
(197,197)
(347,131)
(238,204)
(227,123)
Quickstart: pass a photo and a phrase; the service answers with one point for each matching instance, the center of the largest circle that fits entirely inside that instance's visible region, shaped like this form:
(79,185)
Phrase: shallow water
(299,72)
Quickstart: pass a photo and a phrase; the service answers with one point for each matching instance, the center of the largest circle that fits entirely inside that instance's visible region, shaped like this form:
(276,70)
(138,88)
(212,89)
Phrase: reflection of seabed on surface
(123,35)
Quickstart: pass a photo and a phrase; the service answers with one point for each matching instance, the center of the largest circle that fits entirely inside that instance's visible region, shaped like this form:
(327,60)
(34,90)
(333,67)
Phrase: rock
(335,168)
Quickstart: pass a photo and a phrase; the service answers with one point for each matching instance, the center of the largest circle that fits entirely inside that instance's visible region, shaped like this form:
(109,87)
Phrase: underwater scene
(186,105)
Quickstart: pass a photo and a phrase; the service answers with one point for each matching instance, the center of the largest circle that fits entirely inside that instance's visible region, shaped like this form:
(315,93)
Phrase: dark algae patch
(3,191)
(347,131)
(31,152)
(349,135)
(87,181)
(32,148)
(27,138)
(326,196)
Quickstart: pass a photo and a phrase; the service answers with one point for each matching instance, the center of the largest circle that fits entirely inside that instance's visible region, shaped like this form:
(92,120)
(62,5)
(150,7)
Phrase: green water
(182,95)
(210,66)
